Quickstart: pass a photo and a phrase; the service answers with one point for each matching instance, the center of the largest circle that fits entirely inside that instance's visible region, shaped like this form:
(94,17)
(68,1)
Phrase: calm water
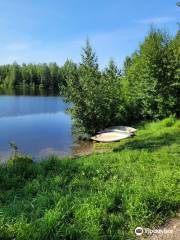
(39,125)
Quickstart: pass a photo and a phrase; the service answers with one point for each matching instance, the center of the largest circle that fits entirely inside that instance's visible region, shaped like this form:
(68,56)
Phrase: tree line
(30,75)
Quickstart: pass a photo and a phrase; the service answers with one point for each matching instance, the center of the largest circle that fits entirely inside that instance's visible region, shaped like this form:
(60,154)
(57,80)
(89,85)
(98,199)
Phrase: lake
(39,125)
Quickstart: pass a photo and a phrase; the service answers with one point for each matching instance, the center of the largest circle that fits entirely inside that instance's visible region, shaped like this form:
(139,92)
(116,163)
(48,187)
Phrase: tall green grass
(101,196)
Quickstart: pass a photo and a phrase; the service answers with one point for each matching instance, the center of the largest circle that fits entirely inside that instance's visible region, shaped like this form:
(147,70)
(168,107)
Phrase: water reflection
(25,105)
(39,125)
(24,91)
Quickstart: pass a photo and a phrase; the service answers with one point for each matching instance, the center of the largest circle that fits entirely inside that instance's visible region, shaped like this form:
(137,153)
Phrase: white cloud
(156,20)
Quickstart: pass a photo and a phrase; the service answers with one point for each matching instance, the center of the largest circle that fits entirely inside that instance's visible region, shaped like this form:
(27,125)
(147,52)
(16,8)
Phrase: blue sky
(54,30)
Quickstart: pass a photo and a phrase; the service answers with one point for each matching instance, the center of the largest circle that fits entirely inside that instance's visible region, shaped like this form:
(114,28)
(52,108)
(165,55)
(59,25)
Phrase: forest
(30,75)
(146,88)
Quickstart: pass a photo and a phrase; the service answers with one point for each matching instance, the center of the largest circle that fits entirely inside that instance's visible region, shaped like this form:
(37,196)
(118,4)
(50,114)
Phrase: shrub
(20,165)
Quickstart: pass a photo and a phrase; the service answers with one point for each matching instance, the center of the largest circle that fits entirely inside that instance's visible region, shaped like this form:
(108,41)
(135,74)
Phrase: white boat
(111,136)
(119,129)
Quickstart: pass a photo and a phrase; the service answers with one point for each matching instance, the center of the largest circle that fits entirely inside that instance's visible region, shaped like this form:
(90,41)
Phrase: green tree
(69,80)
(150,77)
(25,75)
(174,60)
(45,76)
(95,95)
(14,75)
(111,97)
(84,90)
(54,75)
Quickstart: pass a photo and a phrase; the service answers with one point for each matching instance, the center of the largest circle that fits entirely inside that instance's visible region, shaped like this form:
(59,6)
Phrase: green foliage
(19,168)
(153,77)
(149,87)
(95,95)
(47,76)
(102,196)
(19,160)
(70,76)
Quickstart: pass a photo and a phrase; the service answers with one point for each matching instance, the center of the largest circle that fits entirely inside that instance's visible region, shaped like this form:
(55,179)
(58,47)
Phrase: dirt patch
(82,148)
(170,231)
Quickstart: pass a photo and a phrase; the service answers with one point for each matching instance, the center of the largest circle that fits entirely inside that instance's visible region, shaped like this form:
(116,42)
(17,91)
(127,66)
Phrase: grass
(101,196)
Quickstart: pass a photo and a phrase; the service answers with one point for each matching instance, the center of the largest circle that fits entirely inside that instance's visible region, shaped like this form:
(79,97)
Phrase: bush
(19,161)
(20,165)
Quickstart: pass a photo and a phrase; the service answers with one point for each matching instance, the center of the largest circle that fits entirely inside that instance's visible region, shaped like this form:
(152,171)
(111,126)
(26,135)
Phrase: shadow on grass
(150,143)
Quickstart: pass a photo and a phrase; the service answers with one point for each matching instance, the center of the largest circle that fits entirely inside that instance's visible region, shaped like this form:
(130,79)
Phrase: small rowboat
(111,136)
(119,129)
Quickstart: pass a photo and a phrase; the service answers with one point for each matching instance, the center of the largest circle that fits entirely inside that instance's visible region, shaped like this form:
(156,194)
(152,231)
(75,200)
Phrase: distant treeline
(31,75)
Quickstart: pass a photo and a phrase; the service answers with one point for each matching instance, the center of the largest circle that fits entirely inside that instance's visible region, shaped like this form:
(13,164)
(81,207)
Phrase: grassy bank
(101,196)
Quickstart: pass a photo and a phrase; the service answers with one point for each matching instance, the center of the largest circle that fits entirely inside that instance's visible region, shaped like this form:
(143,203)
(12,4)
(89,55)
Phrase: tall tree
(14,75)
(45,76)
(85,94)
(151,76)
(174,61)
(54,75)
(69,80)
(95,95)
